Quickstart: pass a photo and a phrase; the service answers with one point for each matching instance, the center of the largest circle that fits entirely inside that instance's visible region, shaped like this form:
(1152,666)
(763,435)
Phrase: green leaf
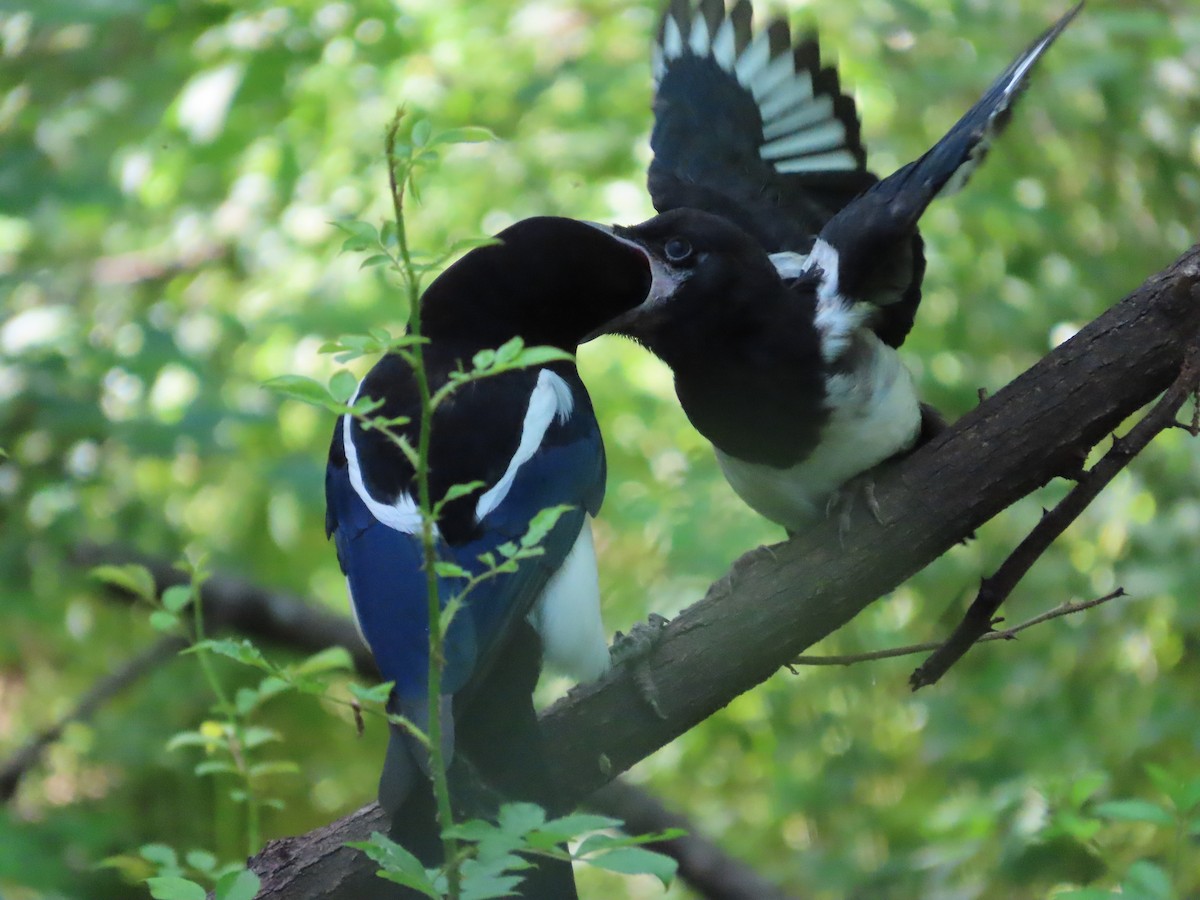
(164,622)
(159,854)
(445,569)
(214,767)
(239,885)
(361,235)
(483,360)
(371,695)
(469,134)
(541,524)
(1188,798)
(331,659)
(274,767)
(539,356)
(243,651)
(379,259)
(509,351)
(455,491)
(299,387)
(201,860)
(397,864)
(257,735)
(342,385)
(1133,811)
(1146,881)
(173,888)
(133,578)
(421,132)
(577,825)
(637,861)
(176,597)
(521,818)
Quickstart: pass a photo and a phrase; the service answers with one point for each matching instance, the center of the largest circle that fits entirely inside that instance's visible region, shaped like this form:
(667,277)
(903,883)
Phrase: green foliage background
(168,172)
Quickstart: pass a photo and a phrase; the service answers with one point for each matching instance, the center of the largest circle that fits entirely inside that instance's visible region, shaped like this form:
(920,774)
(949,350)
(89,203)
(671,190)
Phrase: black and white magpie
(786,274)
(529,436)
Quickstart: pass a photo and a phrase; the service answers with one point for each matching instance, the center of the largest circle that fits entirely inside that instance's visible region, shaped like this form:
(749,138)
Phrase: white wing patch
(402,513)
(801,133)
(551,398)
(567,614)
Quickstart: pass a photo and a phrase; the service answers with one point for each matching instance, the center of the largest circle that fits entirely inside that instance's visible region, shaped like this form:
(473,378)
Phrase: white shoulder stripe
(401,514)
(551,398)
(838,319)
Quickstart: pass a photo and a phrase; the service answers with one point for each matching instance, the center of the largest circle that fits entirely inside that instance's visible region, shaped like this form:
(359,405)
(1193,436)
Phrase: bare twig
(980,617)
(157,654)
(1007,634)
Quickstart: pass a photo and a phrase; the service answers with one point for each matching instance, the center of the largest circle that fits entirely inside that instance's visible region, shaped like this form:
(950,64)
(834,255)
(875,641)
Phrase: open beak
(664,281)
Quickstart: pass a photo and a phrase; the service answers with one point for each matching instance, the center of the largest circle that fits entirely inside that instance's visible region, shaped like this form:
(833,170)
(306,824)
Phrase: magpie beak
(665,280)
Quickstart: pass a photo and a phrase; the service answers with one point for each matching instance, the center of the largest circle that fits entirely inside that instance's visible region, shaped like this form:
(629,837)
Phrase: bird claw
(642,638)
(633,648)
(841,503)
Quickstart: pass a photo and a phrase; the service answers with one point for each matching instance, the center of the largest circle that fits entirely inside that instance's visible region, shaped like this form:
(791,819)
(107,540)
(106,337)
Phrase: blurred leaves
(170,175)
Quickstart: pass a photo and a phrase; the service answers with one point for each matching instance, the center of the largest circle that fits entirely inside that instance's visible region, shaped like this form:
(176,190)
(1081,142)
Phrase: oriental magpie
(529,440)
(787,274)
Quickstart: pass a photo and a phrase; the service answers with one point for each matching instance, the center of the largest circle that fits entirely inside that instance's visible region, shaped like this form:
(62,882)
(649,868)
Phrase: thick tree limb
(775,602)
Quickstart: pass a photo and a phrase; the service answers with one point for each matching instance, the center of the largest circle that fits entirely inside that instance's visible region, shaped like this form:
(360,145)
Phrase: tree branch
(998,587)
(157,654)
(775,602)
(1006,634)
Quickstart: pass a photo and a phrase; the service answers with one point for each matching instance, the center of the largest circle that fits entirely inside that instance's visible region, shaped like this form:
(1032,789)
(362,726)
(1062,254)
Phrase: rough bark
(776,601)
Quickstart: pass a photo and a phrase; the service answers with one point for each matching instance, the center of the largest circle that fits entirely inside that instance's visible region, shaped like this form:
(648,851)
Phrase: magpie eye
(677,250)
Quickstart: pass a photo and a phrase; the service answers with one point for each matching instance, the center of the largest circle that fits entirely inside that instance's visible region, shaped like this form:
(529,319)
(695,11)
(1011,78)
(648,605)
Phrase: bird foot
(641,639)
(841,503)
(633,648)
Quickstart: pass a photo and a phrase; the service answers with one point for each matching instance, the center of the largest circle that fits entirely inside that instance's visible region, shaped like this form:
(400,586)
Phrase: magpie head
(549,280)
(704,269)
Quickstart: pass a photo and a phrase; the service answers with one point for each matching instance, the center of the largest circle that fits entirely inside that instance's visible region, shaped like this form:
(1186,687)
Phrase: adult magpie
(529,439)
(788,275)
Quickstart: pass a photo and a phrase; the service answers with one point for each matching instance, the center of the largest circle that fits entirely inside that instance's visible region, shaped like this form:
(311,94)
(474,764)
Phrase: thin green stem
(441,787)
(238,747)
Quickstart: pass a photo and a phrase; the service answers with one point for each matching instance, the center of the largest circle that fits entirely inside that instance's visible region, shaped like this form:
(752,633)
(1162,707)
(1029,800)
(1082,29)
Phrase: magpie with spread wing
(786,274)
(529,440)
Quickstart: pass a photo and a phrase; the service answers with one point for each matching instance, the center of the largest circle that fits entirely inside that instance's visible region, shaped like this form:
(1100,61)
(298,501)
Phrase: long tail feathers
(948,165)
(870,241)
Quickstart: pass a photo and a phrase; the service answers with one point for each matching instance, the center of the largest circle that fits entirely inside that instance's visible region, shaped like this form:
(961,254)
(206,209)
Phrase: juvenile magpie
(784,347)
(530,438)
